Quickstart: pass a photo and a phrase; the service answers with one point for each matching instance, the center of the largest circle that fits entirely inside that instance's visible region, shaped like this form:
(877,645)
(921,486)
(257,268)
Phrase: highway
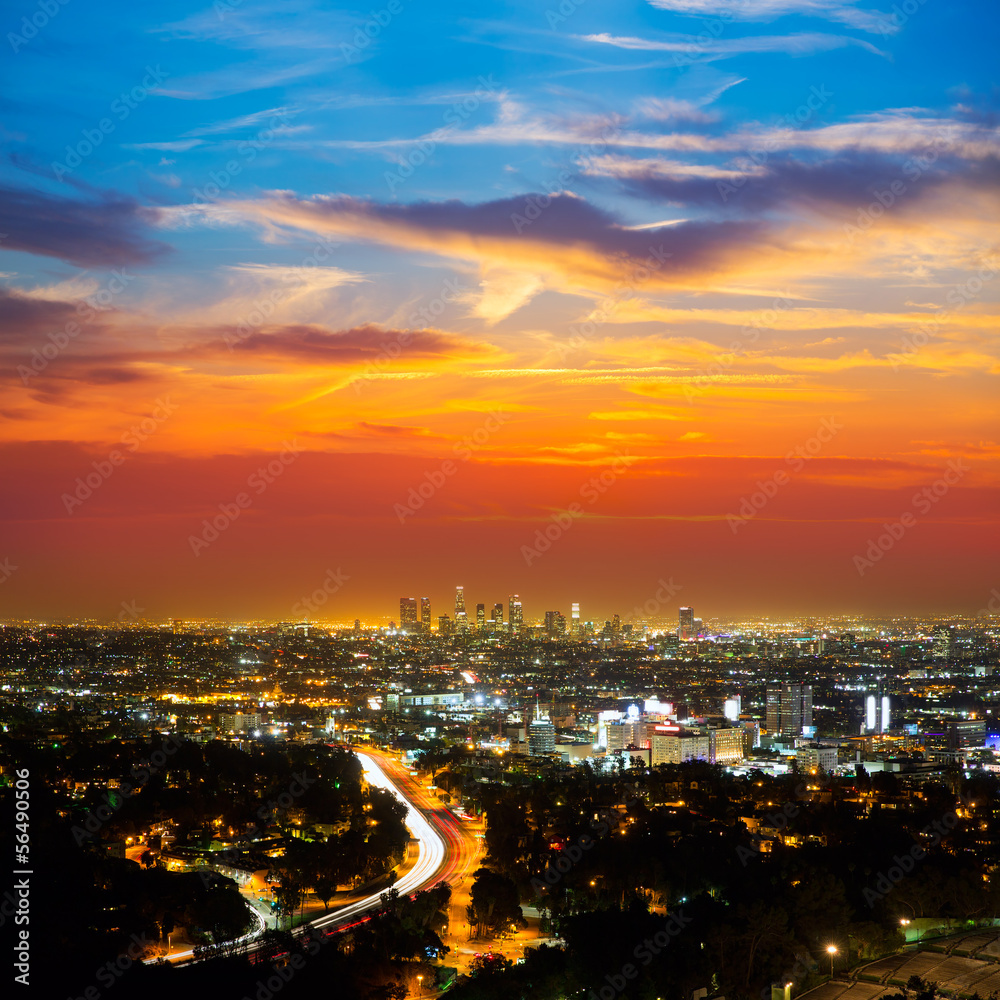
(445,850)
(433,851)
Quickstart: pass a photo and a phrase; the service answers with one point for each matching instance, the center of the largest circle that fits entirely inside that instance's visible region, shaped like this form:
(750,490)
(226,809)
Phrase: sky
(635,304)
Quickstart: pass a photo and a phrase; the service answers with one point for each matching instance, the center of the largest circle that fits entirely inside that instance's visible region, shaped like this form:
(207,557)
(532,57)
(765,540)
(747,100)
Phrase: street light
(420,985)
(831,950)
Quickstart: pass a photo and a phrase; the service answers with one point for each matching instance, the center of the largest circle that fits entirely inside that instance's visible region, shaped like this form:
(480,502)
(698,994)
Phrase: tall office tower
(616,626)
(541,735)
(425,615)
(498,615)
(789,708)
(444,625)
(876,712)
(685,624)
(480,616)
(461,621)
(408,614)
(459,601)
(574,618)
(515,614)
(732,708)
(696,628)
(552,619)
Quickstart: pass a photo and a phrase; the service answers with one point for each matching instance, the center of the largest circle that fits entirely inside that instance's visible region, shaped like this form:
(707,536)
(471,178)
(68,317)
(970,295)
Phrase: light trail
(431,850)
(431,856)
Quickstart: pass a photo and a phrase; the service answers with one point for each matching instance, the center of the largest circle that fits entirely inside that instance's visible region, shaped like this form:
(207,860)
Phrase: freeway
(433,857)
(445,850)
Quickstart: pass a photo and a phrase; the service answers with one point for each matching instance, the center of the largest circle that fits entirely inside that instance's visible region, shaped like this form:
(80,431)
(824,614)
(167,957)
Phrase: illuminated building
(459,601)
(789,708)
(444,625)
(574,618)
(555,623)
(685,624)
(876,712)
(514,613)
(541,735)
(408,614)
(498,615)
(425,615)
(480,617)
(726,746)
(239,722)
(731,709)
(815,758)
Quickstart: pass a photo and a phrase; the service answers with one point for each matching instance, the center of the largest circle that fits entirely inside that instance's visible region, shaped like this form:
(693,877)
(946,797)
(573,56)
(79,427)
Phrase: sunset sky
(488,253)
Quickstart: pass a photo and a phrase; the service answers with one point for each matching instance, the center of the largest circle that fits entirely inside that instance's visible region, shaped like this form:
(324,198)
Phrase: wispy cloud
(841,11)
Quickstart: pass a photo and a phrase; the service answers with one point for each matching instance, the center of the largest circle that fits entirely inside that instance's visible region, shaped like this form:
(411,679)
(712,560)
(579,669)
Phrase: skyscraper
(541,735)
(514,614)
(574,618)
(555,623)
(498,615)
(789,708)
(408,614)
(460,600)
(425,615)
(685,624)
(876,712)
(480,617)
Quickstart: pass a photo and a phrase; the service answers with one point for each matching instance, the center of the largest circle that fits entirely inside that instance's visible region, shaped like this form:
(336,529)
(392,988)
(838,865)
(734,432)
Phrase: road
(446,851)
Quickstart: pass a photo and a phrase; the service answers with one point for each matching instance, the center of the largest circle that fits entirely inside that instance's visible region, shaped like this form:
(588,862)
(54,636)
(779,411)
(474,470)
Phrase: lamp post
(831,950)
(420,986)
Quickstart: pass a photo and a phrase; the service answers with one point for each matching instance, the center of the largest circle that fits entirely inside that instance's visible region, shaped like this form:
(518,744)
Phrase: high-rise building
(480,617)
(726,745)
(789,708)
(498,615)
(685,624)
(574,618)
(616,626)
(877,713)
(425,615)
(732,708)
(541,735)
(444,625)
(459,601)
(514,613)
(408,614)
(555,623)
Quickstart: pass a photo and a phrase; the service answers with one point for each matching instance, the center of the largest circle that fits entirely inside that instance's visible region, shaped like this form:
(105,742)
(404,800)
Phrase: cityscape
(449,804)
(500,501)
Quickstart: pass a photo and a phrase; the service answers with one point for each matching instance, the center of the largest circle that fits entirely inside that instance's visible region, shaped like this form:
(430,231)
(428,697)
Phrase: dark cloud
(106,230)
(561,221)
(23,317)
(846,182)
(362,343)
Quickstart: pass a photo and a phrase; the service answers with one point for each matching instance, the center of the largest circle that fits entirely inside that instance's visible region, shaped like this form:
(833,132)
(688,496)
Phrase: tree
(489,965)
(495,905)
